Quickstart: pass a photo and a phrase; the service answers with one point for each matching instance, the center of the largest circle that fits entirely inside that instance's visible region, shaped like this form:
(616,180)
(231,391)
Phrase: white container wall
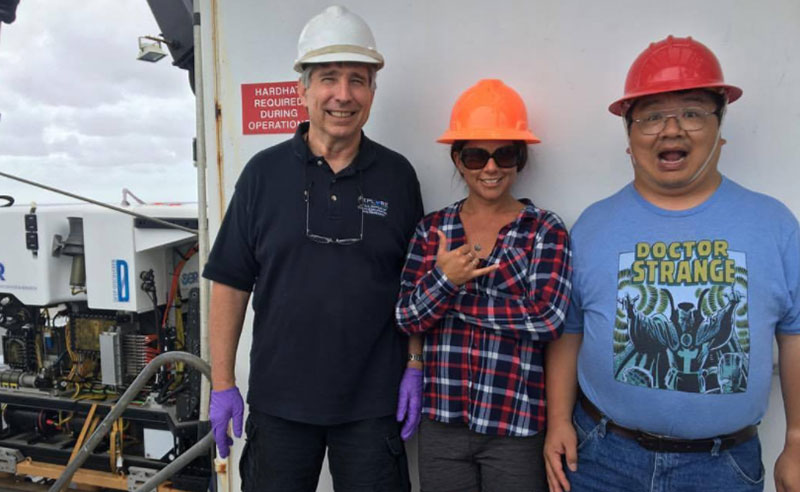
(567,59)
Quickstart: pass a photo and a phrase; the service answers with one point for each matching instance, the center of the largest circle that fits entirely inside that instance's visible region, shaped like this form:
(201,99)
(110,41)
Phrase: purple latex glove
(226,405)
(409,403)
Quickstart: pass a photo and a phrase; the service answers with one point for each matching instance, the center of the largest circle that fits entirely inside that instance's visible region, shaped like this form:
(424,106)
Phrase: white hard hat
(336,35)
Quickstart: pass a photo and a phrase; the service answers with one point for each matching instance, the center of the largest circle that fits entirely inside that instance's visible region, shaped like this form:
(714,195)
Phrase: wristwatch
(415,357)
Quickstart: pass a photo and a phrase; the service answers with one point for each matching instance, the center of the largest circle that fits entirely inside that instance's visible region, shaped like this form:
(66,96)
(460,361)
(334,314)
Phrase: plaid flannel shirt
(484,340)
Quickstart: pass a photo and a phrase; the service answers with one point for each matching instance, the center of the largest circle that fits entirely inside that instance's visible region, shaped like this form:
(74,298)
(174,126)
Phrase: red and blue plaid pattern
(484,341)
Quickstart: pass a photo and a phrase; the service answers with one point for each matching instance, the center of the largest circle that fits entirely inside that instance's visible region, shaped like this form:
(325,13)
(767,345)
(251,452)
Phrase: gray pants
(453,458)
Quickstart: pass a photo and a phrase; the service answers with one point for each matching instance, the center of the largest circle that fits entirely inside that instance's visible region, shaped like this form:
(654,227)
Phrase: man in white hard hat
(318,228)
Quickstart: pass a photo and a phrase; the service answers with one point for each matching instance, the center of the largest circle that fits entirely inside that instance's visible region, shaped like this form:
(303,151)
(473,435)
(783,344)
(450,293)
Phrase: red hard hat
(673,64)
(489,110)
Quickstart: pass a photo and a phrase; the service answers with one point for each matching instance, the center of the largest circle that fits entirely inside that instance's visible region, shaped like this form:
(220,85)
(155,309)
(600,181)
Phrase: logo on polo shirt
(374,207)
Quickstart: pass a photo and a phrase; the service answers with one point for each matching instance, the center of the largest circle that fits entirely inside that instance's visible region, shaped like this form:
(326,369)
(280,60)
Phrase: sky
(79,112)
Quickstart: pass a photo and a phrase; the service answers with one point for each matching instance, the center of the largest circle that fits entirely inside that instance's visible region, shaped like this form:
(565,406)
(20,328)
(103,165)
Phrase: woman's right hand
(460,264)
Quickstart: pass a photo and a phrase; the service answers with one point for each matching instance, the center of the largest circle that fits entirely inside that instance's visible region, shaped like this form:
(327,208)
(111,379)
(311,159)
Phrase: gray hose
(104,427)
(184,459)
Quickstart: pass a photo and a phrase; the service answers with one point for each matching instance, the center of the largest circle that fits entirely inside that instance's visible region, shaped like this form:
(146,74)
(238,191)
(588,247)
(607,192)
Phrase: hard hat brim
(618,107)
(338,58)
(451,136)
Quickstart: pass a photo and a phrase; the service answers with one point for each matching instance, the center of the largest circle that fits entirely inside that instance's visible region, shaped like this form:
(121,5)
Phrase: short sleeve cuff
(573,329)
(787,329)
(222,277)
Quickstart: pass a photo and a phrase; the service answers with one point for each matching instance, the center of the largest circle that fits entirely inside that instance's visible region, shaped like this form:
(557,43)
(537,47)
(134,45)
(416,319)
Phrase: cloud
(78,109)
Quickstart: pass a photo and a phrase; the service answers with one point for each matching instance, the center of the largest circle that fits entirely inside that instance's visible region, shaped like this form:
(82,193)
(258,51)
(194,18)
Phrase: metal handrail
(105,426)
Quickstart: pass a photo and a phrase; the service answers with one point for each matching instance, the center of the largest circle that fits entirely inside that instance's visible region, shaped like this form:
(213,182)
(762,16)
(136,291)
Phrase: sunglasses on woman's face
(476,158)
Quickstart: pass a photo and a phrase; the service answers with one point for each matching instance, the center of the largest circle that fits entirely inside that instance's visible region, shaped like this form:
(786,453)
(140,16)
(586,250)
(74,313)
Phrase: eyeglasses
(476,158)
(333,240)
(689,119)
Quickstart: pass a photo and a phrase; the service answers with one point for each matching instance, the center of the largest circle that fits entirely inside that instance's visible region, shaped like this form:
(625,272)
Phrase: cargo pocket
(245,470)
(398,453)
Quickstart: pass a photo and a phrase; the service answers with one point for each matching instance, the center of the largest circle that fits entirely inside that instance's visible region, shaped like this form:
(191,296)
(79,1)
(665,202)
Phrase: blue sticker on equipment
(122,291)
(2,271)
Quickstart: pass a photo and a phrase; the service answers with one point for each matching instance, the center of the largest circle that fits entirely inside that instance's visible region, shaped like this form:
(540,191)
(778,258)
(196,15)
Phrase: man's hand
(787,469)
(226,405)
(409,402)
(559,441)
(459,264)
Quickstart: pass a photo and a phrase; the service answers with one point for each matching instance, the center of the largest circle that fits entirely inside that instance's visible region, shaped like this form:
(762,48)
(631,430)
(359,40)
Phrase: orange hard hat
(673,64)
(489,110)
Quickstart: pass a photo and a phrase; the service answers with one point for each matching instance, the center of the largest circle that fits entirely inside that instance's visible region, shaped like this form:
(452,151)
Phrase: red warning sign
(271,107)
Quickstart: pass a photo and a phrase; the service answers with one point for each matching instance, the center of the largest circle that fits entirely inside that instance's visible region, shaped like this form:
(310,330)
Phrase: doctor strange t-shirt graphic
(681,318)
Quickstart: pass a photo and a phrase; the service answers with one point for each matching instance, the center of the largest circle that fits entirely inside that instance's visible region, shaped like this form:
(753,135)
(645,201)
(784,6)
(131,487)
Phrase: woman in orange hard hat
(486,282)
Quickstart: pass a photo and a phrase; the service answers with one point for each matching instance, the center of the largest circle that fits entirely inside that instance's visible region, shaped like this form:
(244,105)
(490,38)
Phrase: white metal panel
(111,267)
(568,61)
(38,279)
(117,253)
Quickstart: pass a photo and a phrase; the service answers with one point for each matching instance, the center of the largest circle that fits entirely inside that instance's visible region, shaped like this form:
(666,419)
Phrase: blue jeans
(285,456)
(607,461)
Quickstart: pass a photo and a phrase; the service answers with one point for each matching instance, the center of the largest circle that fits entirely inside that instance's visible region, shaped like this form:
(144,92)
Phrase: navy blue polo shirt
(325,346)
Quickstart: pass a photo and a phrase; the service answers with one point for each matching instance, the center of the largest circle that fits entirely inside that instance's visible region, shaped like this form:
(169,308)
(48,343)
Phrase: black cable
(163,395)
(185,256)
(149,288)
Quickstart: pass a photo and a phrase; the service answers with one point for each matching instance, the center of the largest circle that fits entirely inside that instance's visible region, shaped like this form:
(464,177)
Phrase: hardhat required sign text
(271,107)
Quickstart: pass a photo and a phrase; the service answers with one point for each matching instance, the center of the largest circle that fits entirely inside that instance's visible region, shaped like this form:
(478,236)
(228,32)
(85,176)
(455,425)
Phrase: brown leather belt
(664,444)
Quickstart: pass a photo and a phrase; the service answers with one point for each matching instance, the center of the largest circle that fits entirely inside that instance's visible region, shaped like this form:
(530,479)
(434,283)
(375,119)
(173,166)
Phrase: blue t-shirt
(678,309)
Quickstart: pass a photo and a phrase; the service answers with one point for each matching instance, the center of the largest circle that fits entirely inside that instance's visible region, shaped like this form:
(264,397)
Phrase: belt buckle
(727,443)
(650,442)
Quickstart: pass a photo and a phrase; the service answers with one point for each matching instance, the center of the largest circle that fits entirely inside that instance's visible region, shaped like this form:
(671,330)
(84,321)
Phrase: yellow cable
(180,332)
(121,436)
(67,337)
(64,421)
(89,396)
(37,346)
(88,427)
(112,447)
(179,329)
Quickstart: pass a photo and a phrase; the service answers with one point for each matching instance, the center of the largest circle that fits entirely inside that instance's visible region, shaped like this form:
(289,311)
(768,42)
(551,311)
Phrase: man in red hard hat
(681,281)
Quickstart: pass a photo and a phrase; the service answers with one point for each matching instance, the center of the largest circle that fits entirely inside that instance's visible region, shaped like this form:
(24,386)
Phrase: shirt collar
(528,213)
(364,158)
